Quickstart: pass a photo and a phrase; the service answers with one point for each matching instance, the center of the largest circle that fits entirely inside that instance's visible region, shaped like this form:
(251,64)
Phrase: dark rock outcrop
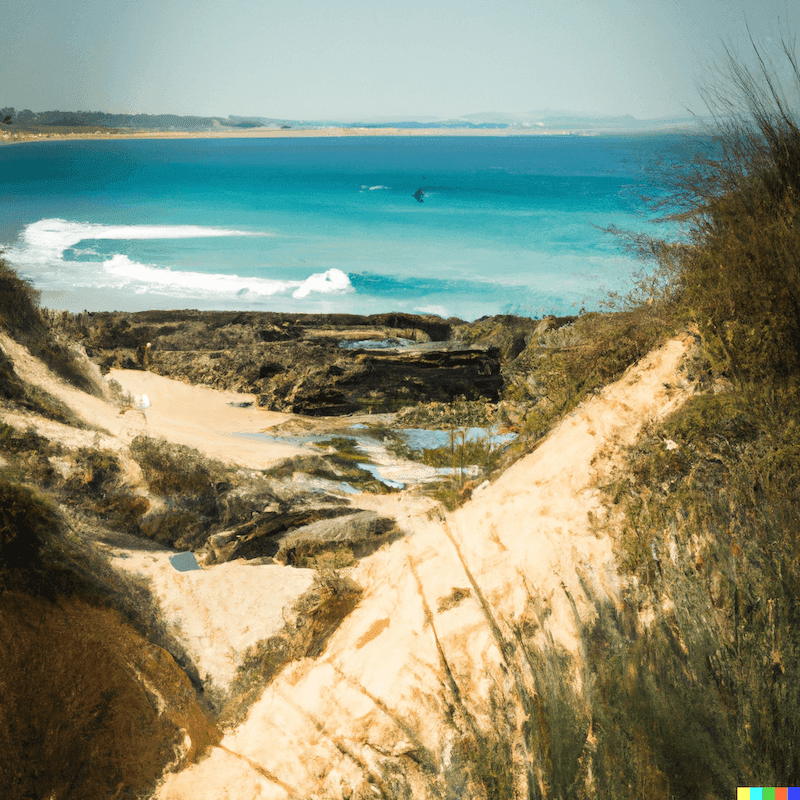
(312,364)
(259,537)
(386,380)
(363,532)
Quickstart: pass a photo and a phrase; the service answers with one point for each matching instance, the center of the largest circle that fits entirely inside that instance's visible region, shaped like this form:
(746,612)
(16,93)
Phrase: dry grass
(76,723)
(317,614)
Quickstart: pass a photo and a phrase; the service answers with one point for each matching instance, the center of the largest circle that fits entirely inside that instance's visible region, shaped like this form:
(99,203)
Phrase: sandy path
(202,417)
(376,692)
(218,613)
(197,416)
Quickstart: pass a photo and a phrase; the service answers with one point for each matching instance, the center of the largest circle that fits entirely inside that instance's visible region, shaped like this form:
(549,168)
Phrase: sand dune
(439,606)
(436,609)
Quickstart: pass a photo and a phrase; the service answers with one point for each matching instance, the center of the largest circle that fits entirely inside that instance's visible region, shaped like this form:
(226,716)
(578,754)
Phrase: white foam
(43,244)
(120,264)
(439,311)
(46,240)
(142,277)
(332,281)
(373,188)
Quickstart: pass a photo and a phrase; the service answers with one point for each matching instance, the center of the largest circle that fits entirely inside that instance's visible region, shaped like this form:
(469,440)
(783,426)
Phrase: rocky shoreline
(314,364)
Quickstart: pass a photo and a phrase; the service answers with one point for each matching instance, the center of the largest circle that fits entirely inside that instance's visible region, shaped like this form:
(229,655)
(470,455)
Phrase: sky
(365,59)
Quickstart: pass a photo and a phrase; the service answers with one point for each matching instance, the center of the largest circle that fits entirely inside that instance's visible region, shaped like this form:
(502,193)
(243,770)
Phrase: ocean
(450,225)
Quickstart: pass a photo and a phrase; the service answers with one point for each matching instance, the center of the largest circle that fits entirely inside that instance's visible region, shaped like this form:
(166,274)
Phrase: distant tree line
(96,119)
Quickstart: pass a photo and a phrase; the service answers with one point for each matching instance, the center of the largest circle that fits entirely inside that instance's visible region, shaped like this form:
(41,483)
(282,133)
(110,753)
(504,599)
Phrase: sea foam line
(47,239)
(144,278)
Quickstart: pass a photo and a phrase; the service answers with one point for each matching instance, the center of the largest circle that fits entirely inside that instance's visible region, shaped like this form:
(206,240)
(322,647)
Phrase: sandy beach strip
(8,137)
(205,418)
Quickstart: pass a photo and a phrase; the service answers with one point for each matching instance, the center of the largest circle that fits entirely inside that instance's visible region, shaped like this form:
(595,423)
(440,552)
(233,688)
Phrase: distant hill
(544,121)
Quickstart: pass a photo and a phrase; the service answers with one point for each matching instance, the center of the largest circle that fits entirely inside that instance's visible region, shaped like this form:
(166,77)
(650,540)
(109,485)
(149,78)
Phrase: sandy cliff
(468,629)
(430,665)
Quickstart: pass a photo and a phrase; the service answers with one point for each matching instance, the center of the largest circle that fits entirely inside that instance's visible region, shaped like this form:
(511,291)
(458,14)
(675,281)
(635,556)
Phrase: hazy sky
(351,59)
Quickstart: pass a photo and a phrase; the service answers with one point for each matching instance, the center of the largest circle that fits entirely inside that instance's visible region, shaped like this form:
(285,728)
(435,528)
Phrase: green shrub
(11,387)
(324,559)
(14,441)
(95,485)
(173,469)
(735,269)
(19,302)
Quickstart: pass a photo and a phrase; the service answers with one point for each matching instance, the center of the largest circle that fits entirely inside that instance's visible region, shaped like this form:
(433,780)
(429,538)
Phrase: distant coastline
(19,137)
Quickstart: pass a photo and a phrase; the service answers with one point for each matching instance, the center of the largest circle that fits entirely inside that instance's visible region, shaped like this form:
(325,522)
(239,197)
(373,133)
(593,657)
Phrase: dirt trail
(438,610)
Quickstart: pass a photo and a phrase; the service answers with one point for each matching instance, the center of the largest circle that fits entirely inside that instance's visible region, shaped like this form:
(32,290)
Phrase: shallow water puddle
(393,471)
(425,439)
(184,562)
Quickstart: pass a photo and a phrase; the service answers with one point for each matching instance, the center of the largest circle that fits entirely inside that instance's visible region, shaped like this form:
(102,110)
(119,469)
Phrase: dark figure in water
(419,194)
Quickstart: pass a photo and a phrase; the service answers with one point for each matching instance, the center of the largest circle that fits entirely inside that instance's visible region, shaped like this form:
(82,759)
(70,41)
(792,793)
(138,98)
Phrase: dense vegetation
(695,686)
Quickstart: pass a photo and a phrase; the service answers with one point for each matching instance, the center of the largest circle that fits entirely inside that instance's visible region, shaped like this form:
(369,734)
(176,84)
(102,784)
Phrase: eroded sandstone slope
(466,631)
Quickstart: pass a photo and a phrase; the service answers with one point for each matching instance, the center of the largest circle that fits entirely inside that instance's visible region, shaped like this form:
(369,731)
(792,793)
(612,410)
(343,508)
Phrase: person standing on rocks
(143,355)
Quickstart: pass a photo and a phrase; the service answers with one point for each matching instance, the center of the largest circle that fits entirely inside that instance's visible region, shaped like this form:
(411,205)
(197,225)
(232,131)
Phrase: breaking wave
(143,278)
(43,245)
(47,239)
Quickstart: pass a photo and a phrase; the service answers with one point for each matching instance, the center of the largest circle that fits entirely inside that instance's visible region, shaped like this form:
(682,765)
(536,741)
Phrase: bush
(171,469)
(190,482)
(76,721)
(95,485)
(10,385)
(14,441)
(26,520)
(737,268)
(21,317)
(19,302)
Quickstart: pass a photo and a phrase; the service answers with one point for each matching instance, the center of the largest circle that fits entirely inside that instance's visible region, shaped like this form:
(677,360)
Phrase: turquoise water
(506,224)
